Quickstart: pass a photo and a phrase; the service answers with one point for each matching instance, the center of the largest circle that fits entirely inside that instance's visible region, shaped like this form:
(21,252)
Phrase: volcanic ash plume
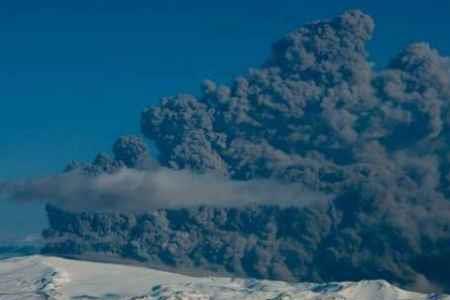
(315,115)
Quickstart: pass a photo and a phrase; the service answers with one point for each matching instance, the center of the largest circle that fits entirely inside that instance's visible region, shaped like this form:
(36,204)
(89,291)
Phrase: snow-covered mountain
(41,277)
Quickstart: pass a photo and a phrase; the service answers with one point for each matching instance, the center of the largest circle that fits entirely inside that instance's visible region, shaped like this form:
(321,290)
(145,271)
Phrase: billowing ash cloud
(131,190)
(317,115)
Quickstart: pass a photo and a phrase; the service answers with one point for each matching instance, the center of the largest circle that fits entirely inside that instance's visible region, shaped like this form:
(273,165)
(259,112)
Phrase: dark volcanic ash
(317,115)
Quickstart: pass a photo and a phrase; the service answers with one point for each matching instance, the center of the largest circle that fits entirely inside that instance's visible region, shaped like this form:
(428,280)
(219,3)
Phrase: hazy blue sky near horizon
(76,74)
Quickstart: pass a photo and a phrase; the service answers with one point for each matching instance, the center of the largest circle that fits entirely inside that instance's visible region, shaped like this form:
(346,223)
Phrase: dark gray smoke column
(315,113)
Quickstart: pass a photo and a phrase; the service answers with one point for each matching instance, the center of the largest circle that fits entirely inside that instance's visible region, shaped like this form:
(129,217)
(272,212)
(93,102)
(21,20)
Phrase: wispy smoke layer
(131,190)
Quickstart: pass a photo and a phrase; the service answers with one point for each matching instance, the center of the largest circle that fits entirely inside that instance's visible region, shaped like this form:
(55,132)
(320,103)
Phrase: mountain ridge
(44,277)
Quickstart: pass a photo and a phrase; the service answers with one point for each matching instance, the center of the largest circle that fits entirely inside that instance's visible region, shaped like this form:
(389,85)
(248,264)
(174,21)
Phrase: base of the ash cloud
(269,242)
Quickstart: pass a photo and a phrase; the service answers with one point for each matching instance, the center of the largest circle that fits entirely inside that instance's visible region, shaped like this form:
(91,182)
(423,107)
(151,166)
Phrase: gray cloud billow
(316,116)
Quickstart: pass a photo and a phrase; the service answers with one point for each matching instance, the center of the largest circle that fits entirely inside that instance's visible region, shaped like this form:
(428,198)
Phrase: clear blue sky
(75,74)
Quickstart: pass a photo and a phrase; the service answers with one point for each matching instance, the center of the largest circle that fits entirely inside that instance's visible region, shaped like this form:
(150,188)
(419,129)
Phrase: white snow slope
(40,277)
